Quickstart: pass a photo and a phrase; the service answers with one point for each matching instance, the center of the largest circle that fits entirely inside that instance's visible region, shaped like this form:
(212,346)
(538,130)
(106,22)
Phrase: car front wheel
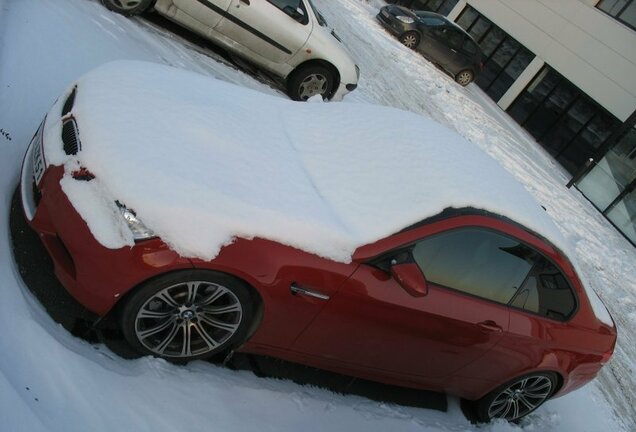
(310,81)
(517,398)
(188,315)
(465,77)
(410,39)
(127,7)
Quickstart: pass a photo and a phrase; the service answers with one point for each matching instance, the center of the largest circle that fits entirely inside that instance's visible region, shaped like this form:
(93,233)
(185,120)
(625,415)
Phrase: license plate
(38,157)
(385,13)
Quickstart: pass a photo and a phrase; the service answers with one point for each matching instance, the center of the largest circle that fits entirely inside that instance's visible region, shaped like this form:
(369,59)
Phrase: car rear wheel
(517,398)
(310,81)
(188,315)
(128,7)
(465,77)
(410,39)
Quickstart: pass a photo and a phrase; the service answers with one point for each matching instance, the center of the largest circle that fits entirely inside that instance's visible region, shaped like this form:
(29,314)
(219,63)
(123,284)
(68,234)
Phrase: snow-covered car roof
(202,161)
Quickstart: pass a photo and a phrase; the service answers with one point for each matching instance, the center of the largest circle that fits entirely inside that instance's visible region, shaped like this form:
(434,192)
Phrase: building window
(568,123)
(611,184)
(442,7)
(623,10)
(505,58)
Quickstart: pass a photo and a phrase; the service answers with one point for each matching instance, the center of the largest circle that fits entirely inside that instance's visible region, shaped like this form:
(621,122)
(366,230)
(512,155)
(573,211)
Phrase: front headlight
(136,226)
(405,19)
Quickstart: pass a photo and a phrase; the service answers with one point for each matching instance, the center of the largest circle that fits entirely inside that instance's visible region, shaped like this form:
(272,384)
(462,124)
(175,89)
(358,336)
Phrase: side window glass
(293,8)
(546,292)
(475,261)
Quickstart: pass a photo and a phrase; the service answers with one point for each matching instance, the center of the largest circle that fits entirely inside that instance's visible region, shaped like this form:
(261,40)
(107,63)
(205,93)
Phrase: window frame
(616,17)
(383,262)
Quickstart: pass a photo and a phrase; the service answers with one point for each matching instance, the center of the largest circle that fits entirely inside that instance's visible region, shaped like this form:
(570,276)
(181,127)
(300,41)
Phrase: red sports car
(357,239)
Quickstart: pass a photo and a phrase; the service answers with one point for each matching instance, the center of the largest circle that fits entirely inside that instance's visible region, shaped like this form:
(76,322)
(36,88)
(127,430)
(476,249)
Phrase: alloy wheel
(521,397)
(409,41)
(188,319)
(126,4)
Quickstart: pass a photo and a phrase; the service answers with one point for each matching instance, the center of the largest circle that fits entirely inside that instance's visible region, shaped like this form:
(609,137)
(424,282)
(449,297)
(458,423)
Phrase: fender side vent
(70,137)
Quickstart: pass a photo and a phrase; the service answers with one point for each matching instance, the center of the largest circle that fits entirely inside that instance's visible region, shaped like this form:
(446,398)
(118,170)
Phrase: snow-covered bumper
(94,275)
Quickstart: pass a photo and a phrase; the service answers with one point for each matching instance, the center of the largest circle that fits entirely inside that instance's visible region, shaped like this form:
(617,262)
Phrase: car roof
(202,161)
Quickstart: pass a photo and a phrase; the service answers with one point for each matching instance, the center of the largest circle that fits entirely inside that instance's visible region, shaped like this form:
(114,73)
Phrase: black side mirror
(294,13)
(411,278)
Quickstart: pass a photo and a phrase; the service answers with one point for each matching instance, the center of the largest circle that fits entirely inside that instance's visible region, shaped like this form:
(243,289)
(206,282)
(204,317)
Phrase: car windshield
(319,17)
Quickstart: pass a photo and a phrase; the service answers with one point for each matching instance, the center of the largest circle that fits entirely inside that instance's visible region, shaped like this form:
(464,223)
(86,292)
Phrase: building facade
(565,70)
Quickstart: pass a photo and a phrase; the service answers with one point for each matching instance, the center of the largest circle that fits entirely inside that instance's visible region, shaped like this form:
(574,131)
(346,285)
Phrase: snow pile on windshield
(202,162)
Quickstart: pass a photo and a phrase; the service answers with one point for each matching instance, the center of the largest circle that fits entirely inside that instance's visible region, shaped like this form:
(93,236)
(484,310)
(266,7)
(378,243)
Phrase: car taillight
(83,174)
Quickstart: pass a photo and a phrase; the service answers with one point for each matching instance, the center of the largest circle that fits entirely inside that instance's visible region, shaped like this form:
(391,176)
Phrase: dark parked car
(438,39)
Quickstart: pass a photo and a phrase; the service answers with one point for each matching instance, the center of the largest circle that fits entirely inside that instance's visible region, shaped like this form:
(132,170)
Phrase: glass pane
(629,15)
(519,63)
(612,7)
(479,28)
(447,6)
(491,40)
(467,17)
(599,129)
(522,107)
(555,295)
(623,215)
(612,174)
(476,262)
(505,52)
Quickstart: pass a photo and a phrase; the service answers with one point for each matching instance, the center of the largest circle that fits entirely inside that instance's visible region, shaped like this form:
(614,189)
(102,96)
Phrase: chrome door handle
(295,289)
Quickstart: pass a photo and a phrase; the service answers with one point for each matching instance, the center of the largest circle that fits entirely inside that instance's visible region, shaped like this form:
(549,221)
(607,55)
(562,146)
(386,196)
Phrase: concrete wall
(588,47)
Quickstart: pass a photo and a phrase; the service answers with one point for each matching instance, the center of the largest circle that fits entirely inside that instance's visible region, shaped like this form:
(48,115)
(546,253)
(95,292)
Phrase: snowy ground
(50,380)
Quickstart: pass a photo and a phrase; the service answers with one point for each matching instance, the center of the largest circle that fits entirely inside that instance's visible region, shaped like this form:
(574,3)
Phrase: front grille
(70,137)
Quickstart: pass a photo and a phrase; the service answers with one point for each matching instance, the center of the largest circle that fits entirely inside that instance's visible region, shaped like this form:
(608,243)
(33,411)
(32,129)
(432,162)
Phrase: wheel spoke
(526,402)
(218,324)
(222,309)
(167,299)
(186,345)
(205,336)
(157,329)
(217,294)
(145,313)
(192,287)
(169,338)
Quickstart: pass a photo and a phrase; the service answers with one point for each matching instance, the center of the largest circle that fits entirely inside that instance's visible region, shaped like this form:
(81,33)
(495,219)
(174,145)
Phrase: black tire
(128,7)
(465,77)
(188,315)
(515,399)
(309,81)
(410,39)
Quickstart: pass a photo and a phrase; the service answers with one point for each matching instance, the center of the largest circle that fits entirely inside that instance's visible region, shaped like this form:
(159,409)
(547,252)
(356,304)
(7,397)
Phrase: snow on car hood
(202,162)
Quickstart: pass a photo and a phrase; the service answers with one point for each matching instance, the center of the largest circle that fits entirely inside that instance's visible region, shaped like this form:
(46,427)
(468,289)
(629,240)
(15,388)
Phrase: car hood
(202,162)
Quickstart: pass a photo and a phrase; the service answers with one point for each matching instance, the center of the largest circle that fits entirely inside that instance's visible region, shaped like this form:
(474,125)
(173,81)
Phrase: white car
(288,38)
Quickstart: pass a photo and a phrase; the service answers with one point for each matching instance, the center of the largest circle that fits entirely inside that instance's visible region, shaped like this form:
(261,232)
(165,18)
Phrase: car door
(444,45)
(373,322)
(271,29)
(208,12)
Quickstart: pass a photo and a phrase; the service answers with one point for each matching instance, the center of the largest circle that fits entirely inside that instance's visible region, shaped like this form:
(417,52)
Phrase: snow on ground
(50,380)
